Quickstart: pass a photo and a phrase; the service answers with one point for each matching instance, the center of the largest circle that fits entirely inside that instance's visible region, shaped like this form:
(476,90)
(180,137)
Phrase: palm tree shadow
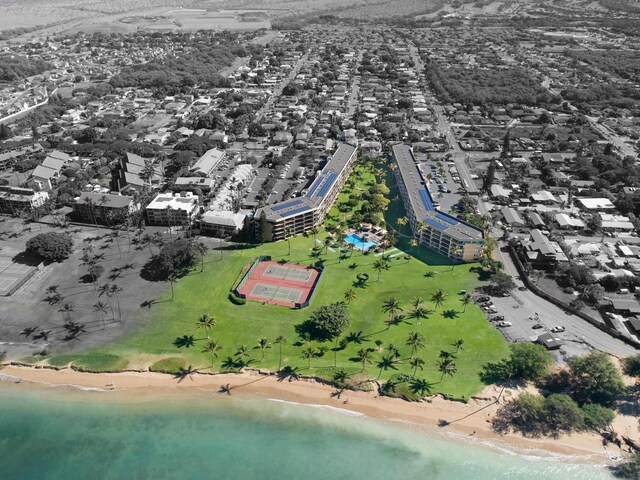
(185,373)
(452,314)
(288,373)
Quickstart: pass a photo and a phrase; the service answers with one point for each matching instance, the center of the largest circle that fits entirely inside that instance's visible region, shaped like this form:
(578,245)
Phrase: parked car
(497,318)
(492,310)
(482,299)
(557,329)
(522,289)
(504,324)
(537,326)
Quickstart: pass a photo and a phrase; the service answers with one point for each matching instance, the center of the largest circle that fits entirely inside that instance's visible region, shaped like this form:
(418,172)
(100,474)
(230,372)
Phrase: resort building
(134,172)
(103,208)
(14,199)
(445,234)
(299,215)
(172,210)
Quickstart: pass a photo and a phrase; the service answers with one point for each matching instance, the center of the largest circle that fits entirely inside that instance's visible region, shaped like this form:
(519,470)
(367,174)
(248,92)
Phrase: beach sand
(465,421)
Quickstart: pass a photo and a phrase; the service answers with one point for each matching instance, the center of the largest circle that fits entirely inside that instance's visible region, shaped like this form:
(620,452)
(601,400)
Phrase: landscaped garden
(408,320)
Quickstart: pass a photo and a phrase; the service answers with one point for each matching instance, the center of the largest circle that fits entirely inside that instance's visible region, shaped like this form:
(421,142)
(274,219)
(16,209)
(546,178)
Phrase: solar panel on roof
(281,206)
(296,211)
(446,218)
(327,184)
(315,185)
(426,199)
(435,224)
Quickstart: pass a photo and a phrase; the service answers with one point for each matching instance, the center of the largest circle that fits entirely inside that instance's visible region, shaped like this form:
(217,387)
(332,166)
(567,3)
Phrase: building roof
(565,220)
(57,154)
(135,159)
(499,191)
(318,189)
(596,203)
(196,181)
(44,172)
(176,202)
(625,304)
(223,217)
(550,341)
(511,216)
(106,200)
(422,202)
(208,161)
(53,163)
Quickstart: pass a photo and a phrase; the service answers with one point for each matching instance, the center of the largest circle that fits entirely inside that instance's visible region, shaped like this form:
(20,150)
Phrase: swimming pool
(359,243)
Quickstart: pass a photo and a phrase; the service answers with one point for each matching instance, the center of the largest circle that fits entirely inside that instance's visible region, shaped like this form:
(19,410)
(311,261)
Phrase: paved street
(579,334)
(278,90)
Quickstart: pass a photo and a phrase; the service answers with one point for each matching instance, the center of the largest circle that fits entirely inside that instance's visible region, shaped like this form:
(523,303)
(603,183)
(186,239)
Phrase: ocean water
(47,434)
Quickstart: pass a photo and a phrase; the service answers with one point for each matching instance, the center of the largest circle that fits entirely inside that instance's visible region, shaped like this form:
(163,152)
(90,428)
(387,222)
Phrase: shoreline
(468,423)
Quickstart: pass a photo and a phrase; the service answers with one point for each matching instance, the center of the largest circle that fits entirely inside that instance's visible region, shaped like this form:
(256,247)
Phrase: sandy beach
(468,422)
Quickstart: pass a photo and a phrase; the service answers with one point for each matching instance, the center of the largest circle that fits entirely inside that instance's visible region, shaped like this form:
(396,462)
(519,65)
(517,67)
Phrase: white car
(504,324)
(557,329)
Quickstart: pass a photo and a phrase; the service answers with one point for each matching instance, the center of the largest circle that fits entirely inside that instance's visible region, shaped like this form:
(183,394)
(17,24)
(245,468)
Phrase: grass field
(206,292)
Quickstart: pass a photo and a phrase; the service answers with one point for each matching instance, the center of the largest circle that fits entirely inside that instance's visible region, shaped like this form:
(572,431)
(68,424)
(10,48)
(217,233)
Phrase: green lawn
(207,292)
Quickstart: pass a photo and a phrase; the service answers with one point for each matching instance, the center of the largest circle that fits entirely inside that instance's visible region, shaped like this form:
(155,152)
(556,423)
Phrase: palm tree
(466,300)
(66,310)
(202,250)
(287,234)
(212,347)
(458,344)
(379,265)
(340,377)
(280,340)
(446,366)
(102,308)
(350,295)
(420,387)
(207,322)
(393,350)
(115,289)
(420,228)
(314,231)
(242,352)
(263,343)
(364,356)
(326,242)
(387,362)
(104,290)
(402,221)
(308,354)
(392,306)
(456,251)
(416,363)
(415,341)
(438,298)
(416,302)
(412,244)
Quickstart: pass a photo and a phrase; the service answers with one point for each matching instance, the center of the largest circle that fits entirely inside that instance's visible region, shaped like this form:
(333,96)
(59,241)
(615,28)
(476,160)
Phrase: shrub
(597,417)
(172,365)
(236,299)
(52,246)
(631,366)
(529,361)
(100,363)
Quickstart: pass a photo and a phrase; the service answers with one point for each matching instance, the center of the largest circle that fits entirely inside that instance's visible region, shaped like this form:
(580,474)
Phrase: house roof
(208,161)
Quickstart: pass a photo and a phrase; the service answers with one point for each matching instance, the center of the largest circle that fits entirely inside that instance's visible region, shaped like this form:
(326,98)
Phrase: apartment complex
(106,209)
(172,210)
(14,200)
(299,215)
(432,228)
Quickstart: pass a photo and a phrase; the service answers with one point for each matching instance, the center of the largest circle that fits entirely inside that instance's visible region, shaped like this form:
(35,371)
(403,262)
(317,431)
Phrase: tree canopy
(52,246)
(328,321)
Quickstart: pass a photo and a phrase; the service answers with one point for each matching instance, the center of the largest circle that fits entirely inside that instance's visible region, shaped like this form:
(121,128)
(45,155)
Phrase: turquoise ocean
(69,434)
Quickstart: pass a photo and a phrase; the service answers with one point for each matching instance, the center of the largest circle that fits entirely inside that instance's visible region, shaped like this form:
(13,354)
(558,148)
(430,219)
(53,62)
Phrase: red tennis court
(279,283)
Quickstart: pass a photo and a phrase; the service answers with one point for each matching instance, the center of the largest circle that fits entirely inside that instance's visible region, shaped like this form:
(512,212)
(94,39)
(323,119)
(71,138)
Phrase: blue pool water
(358,242)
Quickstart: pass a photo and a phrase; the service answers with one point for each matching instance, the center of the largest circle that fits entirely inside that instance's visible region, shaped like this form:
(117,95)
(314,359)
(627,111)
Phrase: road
(579,337)
(352,103)
(623,147)
(278,90)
